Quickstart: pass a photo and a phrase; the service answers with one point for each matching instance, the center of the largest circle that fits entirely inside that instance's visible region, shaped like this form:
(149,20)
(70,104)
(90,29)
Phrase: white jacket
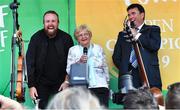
(98,69)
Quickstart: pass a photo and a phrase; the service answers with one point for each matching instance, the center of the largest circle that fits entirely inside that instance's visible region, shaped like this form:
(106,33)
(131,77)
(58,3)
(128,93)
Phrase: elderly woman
(95,58)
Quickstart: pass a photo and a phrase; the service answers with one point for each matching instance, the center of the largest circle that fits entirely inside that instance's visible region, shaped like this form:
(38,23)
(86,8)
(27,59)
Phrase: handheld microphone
(132,24)
(85,50)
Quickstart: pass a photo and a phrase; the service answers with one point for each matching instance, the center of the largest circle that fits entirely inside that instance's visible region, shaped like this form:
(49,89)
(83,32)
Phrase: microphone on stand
(132,24)
(85,50)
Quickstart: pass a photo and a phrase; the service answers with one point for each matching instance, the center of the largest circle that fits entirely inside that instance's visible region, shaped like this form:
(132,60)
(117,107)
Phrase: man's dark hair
(140,99)
(50,12)
(173,96)
(138,6)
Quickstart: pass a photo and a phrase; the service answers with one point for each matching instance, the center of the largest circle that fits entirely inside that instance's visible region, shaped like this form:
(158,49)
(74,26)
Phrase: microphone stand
(13,6)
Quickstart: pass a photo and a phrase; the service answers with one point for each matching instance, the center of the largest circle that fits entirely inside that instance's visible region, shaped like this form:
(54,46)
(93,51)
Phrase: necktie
(133,59)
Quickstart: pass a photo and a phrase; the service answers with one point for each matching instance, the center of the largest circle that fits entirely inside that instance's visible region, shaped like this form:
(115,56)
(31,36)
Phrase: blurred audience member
(140,99)
(9,104)
(76,98)
(173,96)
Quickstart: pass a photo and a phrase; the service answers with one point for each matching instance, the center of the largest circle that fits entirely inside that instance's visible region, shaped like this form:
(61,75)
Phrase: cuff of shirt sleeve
(77,60)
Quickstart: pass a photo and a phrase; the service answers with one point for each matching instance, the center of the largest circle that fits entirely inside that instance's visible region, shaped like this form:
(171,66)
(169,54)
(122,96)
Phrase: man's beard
(51,32)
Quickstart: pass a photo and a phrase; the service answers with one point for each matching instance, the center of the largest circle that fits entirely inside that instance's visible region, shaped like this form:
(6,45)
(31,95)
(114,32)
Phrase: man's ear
(142,15)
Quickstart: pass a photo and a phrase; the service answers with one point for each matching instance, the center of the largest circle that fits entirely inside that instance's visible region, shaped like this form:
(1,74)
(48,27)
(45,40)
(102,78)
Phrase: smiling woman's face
(84,38)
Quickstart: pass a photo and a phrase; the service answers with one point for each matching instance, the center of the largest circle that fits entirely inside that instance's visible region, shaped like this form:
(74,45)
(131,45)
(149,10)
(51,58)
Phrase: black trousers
(102,94)
(45,92)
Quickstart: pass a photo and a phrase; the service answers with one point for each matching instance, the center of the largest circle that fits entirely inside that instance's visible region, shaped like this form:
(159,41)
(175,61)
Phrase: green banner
(30,18)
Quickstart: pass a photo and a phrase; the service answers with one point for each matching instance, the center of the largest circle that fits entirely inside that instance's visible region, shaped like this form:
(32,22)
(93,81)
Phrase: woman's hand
(83,59)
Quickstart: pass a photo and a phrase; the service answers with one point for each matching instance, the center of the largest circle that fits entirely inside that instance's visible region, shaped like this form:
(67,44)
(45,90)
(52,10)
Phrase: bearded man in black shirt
(46,60)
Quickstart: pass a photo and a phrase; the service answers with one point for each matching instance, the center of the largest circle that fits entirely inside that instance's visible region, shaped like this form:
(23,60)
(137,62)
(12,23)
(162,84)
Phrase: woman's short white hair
(74,98)
(81,28)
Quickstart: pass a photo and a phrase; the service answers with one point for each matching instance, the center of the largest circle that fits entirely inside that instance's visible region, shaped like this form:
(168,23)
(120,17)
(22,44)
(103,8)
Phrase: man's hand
(128,35)
(64,85)
(131,34)
(134,31)
(33,93)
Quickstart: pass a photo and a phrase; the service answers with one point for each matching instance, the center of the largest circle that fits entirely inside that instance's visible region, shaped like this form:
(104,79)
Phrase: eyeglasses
(83,34)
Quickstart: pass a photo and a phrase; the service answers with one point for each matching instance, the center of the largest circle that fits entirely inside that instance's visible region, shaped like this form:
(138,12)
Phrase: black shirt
(51,74)
(47,58)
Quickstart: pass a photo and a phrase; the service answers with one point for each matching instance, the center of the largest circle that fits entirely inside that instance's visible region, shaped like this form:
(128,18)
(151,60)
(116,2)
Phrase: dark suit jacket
(150,40)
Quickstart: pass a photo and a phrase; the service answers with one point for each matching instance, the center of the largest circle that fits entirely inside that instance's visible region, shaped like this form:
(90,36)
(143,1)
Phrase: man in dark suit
(149,40)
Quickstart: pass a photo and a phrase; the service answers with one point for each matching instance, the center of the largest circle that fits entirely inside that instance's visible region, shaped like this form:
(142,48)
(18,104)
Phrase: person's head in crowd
(51,22)
(76,98)
(9,104)
(83,35)
(140,99)
(173,96)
